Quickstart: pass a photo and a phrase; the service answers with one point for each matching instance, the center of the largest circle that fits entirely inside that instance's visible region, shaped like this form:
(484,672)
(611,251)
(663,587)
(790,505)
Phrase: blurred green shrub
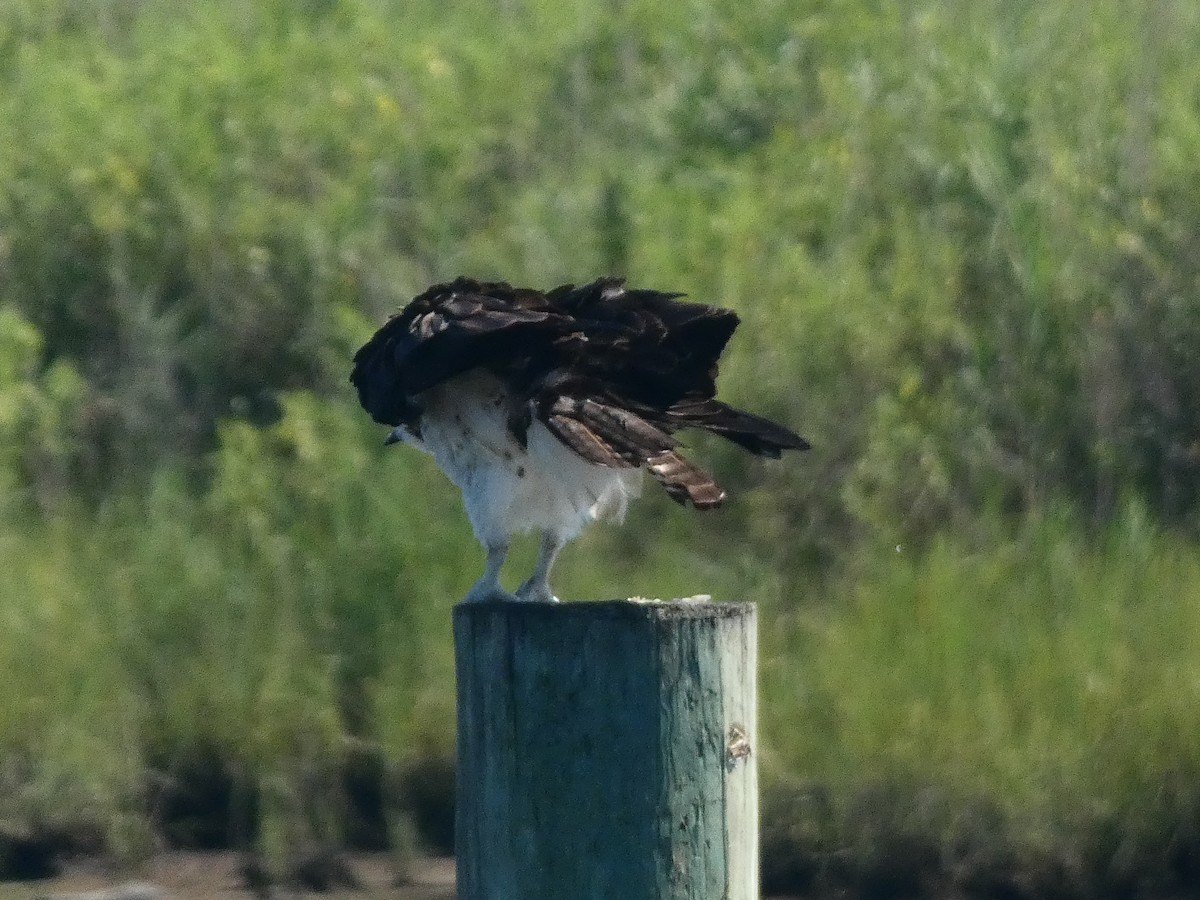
(39,411)
(962,238)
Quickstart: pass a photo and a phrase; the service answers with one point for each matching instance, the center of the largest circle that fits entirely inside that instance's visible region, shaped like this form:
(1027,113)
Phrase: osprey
(545,407)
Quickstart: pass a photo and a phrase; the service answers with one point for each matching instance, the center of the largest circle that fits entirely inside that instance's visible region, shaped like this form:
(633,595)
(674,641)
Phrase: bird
(545,407)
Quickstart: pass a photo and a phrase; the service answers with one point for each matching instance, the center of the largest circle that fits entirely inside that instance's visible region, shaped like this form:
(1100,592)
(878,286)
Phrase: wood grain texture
(607,750)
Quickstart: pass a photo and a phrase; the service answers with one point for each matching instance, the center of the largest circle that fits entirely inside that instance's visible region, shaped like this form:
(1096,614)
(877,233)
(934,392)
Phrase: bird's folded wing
(618,438)
(446,331)
(604,434)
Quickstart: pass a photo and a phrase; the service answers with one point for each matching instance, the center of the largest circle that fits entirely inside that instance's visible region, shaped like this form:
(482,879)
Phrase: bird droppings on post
(697,598)
(738,747)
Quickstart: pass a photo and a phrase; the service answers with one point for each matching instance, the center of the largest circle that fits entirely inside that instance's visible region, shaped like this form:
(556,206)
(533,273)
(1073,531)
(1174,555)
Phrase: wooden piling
(606,750)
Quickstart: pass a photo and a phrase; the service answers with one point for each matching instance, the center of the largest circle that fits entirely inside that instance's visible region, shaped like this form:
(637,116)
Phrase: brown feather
(684,482)
(612,372)
(626,428)
(586,442)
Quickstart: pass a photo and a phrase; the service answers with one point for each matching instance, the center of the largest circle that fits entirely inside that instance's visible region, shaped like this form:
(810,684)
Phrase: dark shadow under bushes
(898,840)
(199,801)
(886,841)
(425,789)
(27,855)
(206,802)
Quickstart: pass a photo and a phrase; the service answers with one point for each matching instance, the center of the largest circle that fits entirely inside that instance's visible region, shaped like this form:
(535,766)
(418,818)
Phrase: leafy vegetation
(961,235)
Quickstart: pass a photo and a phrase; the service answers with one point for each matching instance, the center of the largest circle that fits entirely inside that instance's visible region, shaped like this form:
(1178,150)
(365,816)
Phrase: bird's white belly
(509,489)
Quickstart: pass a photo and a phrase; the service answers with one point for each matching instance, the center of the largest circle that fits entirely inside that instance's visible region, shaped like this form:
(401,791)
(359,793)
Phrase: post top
(635,608)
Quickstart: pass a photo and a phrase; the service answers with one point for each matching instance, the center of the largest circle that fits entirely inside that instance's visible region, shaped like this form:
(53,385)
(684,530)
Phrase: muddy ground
(218,876)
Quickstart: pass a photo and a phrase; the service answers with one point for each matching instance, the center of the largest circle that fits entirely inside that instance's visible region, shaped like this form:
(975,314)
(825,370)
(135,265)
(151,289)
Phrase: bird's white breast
(509,489)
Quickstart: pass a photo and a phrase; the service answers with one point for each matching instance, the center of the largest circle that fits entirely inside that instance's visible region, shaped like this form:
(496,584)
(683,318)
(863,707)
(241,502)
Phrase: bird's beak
(395,436)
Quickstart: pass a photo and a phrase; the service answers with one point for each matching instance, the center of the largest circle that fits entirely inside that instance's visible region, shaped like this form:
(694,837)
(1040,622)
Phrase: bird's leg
(488,587)
(538,586)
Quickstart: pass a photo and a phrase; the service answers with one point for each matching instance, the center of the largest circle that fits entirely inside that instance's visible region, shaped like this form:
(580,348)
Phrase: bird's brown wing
(446,331)
(619,438)
(612,372)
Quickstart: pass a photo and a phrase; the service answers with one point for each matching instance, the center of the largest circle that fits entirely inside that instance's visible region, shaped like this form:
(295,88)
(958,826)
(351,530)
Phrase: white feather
(509,489)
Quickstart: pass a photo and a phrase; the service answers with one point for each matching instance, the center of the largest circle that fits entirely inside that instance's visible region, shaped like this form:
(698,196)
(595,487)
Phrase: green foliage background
(962,236)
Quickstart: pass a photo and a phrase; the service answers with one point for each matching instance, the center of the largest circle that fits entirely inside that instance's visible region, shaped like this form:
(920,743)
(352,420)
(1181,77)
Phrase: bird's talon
(490,596)
(531,595)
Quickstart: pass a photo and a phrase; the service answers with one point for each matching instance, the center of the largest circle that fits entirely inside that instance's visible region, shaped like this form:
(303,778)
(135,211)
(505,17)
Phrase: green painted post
(606,751)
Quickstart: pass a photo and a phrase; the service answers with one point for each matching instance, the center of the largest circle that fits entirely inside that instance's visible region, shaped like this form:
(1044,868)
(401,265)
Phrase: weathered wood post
(606,751)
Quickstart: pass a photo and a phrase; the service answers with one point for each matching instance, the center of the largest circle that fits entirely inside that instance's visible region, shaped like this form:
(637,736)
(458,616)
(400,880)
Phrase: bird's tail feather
(684,482)
(754,433)
(614,437)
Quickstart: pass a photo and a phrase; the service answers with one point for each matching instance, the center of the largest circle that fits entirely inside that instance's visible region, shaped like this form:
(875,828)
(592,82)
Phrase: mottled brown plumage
(611,372)
(544,407)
